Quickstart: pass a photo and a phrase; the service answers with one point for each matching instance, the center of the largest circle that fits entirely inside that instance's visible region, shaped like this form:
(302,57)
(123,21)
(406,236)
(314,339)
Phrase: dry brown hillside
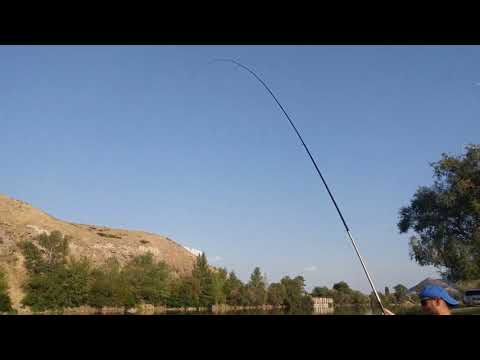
(20,221)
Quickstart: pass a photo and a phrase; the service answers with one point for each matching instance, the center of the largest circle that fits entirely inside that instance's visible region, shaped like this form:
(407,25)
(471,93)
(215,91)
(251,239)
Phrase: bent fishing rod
(318,171)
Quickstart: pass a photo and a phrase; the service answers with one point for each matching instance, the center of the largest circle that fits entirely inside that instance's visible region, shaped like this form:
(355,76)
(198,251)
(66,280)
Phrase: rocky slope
(20,221)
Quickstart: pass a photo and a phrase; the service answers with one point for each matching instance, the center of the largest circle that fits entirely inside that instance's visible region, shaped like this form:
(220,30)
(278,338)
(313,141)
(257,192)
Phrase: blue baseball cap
(435,291)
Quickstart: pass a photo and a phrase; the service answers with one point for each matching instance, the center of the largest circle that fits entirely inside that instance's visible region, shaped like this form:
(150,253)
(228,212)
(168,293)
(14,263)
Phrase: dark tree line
(57,281)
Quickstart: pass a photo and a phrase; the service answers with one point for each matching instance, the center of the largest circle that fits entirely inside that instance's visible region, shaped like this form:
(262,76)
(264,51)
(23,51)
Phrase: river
(339,310)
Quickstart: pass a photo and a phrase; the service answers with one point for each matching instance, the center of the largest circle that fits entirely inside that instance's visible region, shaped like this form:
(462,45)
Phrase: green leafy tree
(445,217)
(389,297)
(234,289)
(256,288)
(54,282)
(76,282)
(219,279)
(343,295)
(5,302)
(147,280)
(296,299)
(202,276)
(244,296)
(400,292)
(321,292)
(185,292)
(359,299)
(342,287)
(276,294)
(49,254)
(108,287)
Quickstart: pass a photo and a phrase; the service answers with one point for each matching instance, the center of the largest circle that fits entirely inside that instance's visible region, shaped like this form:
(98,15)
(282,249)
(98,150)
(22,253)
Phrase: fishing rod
(318,171)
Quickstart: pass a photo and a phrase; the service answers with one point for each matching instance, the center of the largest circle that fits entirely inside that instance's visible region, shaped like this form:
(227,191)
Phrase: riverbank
(148,309)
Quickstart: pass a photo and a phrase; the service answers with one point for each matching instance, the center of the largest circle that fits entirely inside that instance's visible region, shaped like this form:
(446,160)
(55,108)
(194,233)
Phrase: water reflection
(338,310)
(324,311)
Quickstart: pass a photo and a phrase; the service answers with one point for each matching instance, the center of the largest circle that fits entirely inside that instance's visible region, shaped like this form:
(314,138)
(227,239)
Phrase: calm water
(350,310)
(335,311)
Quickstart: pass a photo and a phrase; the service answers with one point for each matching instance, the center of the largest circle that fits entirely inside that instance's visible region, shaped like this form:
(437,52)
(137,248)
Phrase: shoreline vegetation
(60,284)
(148,309)
(57,283)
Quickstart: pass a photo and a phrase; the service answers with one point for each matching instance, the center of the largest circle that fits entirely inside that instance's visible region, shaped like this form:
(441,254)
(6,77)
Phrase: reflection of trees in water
(337,310)
(353,310)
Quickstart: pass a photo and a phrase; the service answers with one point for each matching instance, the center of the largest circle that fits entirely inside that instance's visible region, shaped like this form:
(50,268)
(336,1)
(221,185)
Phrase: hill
(21,221)
(449,287)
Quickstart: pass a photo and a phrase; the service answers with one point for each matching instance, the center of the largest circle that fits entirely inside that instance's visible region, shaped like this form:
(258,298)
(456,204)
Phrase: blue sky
(153,138)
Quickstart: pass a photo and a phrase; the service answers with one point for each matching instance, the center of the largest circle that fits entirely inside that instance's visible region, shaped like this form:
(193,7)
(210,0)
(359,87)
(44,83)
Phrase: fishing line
(318,171)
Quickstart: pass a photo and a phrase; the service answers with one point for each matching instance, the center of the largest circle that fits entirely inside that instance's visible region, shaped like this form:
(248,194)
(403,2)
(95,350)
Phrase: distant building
(322,303)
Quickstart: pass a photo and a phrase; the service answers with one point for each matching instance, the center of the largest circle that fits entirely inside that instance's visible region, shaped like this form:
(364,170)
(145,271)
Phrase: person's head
(436,301)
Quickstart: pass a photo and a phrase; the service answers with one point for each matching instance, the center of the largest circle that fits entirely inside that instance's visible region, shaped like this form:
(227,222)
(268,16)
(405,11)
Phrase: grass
(467,311)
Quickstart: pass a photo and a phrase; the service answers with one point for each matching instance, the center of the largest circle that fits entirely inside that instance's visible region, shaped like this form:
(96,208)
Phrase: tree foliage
(445,217)
(322,292)
(276,294)
(54,282)
(296,299)
(234,290)
(256,288)
(108,287)
(147,280)
(203,281)
(5,302)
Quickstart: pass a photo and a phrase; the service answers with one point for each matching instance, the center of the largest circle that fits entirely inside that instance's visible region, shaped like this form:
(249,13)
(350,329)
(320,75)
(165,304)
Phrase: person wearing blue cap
(435,300)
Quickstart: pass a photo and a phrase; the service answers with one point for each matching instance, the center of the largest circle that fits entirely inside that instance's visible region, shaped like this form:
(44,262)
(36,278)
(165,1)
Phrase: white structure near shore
(320,304)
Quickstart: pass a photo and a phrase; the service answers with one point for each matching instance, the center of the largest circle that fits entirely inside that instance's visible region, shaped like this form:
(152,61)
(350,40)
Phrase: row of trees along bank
(57,281)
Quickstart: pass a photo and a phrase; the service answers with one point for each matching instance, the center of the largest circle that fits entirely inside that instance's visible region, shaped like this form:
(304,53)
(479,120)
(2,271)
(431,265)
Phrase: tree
(5,302)
(234,289)
(321,292)
(400,292)
(147,279)
(296,300)
(184,292)
(75,284)
(256,288)
(48,254)
(389,298)
(343,295)
(445,217)
(108,287)
(359,299)
(276,294)
(54,282)
(219,279)
(202,276)
(341,286)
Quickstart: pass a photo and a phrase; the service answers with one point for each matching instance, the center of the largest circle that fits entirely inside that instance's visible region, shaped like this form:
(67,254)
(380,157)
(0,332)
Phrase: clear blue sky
(153,138)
